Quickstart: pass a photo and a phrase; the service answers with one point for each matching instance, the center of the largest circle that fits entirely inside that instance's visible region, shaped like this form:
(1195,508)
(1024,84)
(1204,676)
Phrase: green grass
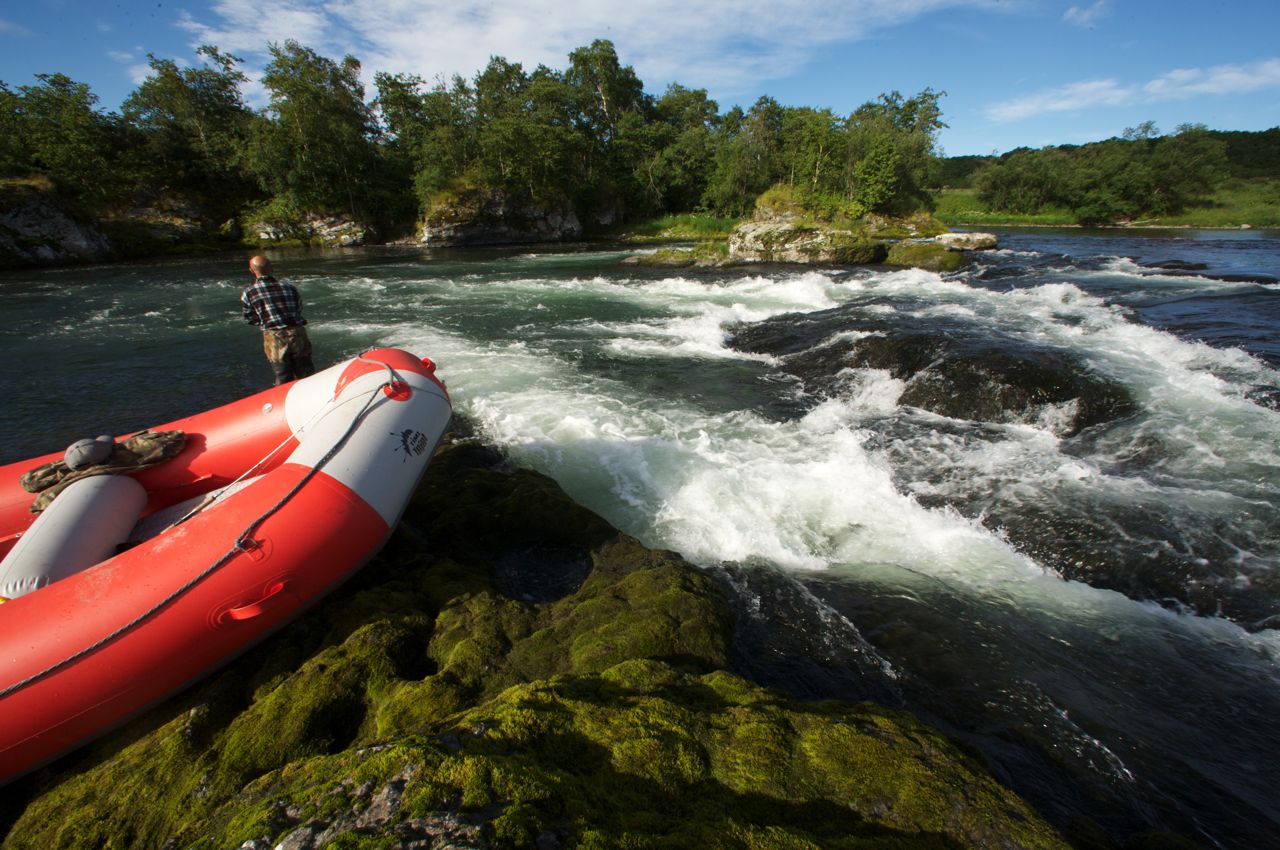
(962,206)
(675,228)
(1254,203)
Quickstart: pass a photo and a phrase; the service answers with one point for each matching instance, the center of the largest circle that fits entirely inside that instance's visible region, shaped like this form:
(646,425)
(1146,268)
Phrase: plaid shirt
(272,305)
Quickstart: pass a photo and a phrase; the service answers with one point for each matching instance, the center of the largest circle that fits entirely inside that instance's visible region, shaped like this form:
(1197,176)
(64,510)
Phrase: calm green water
(872,549)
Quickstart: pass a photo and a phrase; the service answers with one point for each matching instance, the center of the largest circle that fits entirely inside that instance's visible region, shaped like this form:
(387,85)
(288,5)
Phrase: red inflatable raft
(273,501)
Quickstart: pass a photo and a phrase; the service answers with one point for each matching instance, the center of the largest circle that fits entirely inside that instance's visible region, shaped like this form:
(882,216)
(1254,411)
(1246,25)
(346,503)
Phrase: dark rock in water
(1246,278)
(959,374)
(1002,385)
(1176,265)
(1265,397)
(422,706)
(1155,558)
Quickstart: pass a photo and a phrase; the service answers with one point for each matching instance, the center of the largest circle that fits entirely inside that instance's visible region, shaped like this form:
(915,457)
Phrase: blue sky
(1016,72)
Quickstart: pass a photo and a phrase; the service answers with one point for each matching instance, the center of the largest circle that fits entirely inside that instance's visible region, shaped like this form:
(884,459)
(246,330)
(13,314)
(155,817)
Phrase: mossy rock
(708,253)
(929,256)
(424,703)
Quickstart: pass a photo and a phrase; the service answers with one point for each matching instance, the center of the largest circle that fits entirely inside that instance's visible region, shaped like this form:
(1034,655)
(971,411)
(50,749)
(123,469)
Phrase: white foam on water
(816,493)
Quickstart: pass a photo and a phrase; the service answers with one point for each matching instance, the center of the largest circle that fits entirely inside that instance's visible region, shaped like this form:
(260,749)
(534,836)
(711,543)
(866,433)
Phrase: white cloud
(10,28)
(135,70)
(1220,80)
(716,45)
(1068,98)
(1179,84)
(1085,16)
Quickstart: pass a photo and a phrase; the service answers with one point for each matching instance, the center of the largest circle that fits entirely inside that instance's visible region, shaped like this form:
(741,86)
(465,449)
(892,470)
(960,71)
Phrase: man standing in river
(277,308)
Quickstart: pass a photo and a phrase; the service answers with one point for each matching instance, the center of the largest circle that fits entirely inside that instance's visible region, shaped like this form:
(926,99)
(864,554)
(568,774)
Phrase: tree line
(1142,174)
(588,136)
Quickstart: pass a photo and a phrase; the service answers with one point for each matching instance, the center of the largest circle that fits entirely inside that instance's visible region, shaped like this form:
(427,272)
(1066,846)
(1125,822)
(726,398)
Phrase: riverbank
(1234,206)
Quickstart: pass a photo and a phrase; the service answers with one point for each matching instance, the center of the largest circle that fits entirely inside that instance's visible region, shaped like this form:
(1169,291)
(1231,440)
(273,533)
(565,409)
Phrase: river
(1036,502)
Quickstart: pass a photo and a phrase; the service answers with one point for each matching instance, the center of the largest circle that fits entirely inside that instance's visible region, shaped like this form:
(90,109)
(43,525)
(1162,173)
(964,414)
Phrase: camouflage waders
(289,352)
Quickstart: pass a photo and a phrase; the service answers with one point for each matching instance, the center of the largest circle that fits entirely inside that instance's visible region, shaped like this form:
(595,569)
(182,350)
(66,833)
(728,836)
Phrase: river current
(1037,502)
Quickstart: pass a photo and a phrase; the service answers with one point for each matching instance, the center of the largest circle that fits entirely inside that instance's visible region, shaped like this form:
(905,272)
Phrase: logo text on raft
(411,442)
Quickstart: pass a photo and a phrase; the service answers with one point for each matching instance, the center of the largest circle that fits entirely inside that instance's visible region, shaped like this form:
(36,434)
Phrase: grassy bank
(1235,204)
(673,228)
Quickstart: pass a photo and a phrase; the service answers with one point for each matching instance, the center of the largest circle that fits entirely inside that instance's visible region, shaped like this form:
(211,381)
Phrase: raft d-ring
(256,549)
(397,390)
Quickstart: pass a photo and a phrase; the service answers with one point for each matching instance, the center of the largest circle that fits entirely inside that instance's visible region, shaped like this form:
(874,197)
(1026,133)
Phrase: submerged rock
(423,706)
(962,375)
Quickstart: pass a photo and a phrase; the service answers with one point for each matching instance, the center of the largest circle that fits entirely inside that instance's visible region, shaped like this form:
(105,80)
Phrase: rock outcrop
(513,672)
(330,231)
(785,240)
(36,229)
(475,216)
(784,230)
(967,241)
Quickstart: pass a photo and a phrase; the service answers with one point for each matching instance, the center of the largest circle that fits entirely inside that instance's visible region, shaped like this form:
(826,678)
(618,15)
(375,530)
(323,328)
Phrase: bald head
(260,265)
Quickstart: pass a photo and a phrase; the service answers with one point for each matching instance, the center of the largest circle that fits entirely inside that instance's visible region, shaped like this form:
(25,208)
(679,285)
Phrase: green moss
(925,255)
(605,718)
(857,248)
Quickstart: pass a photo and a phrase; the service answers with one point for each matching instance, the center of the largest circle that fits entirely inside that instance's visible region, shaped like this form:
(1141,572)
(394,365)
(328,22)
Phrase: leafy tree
(812,139)
(14,158)
(316,147)
(606,89)
(1025,181)
(910,126)
(65,137)
(1141,175)
(749,158)
(1186,167)
(877,175)
(194,124)
(1144,131)
(432,132)
(685,122)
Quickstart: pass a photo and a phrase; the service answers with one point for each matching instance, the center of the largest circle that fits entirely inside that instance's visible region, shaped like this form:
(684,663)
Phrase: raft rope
(212,498)
(244,543)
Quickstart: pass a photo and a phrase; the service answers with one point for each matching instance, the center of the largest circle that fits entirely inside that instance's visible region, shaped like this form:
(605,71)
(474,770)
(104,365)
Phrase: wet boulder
(961,375)
(1000,385)
(967,241)
(929,256)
